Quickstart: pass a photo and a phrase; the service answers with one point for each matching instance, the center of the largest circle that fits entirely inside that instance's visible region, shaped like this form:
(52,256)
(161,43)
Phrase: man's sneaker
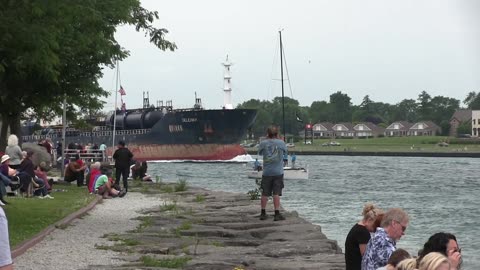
(122,193)
(278,217)
(263,216)
(48,196)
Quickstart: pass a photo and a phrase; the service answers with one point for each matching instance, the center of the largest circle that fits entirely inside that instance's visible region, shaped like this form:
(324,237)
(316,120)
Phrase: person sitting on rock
(104,186)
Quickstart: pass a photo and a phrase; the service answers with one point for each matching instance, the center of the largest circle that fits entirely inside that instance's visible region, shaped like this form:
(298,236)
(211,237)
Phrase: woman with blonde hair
(14,151)
(434,261)
(407,264)
(359,235)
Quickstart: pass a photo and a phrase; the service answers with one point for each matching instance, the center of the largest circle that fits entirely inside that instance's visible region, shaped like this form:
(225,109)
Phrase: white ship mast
(227,86)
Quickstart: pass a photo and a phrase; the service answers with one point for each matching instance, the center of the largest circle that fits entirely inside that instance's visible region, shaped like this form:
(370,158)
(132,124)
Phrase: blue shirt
(272,151)
(379,249)
(294,157)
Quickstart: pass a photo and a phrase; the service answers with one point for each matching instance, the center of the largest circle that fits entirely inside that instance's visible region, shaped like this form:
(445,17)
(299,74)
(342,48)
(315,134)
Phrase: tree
(472,101)
(50,49)
(443,108)
(319,111)
(341,107)
(406,110)
(424,106)
(264,115)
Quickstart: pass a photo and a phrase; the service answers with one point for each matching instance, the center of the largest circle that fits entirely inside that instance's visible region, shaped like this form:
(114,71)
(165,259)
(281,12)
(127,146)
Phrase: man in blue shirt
(383,243)
(272,149)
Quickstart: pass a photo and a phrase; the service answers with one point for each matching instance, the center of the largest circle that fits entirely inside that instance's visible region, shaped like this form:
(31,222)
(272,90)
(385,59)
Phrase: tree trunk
(3,132)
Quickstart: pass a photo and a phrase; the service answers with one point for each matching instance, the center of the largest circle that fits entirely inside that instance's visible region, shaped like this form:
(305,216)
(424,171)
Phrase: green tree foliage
(424,106)
(465,128)
(49,49)
(319,111)
(341,107)
(406,110)
(472,101)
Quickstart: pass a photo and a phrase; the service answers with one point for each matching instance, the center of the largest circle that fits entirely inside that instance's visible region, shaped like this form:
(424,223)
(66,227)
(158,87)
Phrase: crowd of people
(371,244)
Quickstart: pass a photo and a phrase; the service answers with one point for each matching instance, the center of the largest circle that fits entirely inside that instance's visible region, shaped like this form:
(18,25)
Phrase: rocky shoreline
(203,229)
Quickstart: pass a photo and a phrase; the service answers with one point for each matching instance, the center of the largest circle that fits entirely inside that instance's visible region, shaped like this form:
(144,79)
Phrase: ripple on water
(438,193)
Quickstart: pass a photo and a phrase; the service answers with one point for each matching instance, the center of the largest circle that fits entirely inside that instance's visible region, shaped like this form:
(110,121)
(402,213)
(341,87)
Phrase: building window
(473,121)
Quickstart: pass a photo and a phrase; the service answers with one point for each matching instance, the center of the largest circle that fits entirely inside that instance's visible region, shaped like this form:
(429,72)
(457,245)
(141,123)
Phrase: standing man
(123,159)
(272,149)
(383,243)
(103,149)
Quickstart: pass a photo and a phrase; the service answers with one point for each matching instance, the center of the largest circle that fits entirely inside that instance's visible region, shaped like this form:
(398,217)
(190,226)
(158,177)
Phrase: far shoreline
(380,153)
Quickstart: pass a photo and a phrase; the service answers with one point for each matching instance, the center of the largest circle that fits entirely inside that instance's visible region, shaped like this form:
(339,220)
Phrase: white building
(475,123)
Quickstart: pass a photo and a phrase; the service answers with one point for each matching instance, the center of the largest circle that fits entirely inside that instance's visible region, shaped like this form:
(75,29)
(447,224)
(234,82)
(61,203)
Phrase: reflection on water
(438,193)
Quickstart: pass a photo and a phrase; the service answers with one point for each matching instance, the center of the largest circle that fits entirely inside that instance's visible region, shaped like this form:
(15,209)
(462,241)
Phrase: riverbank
(192,229)
(349,152)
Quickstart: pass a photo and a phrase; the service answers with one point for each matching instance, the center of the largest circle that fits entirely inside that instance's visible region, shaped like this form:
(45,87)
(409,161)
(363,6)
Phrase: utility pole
(64,128)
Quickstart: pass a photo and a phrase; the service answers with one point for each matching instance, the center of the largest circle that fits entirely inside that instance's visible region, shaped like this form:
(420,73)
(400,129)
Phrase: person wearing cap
(4,178)
(123,159)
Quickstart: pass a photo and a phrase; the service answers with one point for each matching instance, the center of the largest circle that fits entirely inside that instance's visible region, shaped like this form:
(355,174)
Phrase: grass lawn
(28,216)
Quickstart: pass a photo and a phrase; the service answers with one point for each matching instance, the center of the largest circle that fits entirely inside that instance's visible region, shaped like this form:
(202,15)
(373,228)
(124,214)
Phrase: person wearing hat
(123,159)
(4,178)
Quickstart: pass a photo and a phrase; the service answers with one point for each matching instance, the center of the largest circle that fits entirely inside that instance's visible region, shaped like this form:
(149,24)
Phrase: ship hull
(175,135)
(204,152)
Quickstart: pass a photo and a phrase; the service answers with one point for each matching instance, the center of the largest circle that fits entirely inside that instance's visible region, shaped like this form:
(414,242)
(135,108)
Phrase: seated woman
(446,244)
(104,186)
(42,174)
(94,174)
(435,261)
(139,170)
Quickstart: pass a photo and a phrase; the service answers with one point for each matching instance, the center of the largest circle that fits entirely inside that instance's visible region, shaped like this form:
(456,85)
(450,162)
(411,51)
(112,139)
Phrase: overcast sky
(389,50)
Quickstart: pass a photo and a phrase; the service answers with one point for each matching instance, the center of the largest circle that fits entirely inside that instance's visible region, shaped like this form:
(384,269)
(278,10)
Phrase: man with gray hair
(383,243)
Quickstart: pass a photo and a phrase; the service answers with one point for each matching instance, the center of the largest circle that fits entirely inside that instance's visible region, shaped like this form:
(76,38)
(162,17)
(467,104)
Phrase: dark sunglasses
(403,227)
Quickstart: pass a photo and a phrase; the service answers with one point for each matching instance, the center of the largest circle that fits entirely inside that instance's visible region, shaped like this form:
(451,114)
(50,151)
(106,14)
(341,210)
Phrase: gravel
(74,246)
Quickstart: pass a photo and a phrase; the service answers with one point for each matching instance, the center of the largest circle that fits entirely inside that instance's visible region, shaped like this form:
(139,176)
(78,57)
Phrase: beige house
(367,129)
(424,128)
(322,130)
(343,130)
(398,129)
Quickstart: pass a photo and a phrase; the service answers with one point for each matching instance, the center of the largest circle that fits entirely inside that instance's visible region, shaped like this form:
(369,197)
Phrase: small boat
(289,173)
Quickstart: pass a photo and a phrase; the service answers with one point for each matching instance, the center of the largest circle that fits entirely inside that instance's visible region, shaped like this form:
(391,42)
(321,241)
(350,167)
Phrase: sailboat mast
(281,76)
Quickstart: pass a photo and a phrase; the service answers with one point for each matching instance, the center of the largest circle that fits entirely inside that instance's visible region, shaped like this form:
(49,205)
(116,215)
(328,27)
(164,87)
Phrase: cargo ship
(164,133)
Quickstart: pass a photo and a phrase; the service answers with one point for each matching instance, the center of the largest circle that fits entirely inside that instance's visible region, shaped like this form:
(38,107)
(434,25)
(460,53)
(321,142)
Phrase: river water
(439,194)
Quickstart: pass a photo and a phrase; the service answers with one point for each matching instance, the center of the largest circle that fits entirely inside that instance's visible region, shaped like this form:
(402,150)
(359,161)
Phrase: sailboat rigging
(288,172)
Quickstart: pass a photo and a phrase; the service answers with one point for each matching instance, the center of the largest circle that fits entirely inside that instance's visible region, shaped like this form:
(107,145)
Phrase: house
(459,117)
(475,123)
(368,129)
(398,129)
(424,128)
(322,130)
(343,130)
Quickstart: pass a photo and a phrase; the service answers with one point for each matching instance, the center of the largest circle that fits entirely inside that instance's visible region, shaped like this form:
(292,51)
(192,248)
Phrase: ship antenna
(227,87)
(146,100)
